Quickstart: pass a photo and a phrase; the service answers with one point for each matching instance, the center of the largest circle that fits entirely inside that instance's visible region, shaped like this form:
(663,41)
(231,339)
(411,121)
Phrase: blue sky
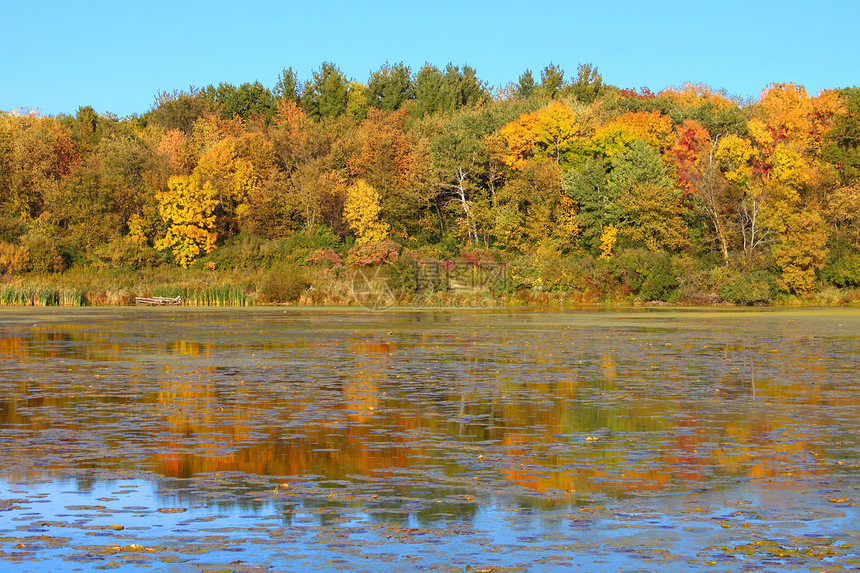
(117,55)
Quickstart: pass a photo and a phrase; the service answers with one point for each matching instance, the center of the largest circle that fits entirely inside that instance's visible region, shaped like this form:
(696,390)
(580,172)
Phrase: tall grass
(117,288)
(216,295)
(30,295)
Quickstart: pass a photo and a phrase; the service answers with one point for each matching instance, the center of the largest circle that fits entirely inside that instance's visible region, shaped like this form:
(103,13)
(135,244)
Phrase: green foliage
(322,237)
(326,94)
(250,251)
(636,196)
(390,86)
(588,83)
(842,142)
(747,287)
(454,89)
(525,86)
(651,276)
(717,120)
(44,255)
(284,282)
(842,270)
(246,251)
(237,177)
(429,91)
(597,202)
(245,101)
(287,87)
(357,101)
(11,228)
(216,295)
(551,81)
(87,127)
(179,109)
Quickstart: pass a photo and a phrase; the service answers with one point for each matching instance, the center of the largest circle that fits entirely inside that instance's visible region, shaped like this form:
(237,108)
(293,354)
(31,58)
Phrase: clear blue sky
(117,55)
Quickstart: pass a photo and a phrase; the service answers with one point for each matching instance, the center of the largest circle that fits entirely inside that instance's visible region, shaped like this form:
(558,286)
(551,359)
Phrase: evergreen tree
(390,86)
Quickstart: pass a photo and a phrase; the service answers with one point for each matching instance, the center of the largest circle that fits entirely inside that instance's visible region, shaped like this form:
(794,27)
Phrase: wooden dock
(158,300)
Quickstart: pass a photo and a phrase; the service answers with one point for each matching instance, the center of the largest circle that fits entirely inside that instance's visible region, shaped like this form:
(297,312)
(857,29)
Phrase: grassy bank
(387,285)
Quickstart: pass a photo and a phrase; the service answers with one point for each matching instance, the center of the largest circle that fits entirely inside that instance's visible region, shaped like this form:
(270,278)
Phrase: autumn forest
(577,188)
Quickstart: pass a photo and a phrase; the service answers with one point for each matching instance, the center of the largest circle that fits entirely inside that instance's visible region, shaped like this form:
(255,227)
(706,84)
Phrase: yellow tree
(786,131)
(653,128)
(800,251)
(700,178)
(610,139)
(697,95)
(186,208)
(738,157)
(362,213)
(520,136)
(549,132)
(556,130)
(234,167)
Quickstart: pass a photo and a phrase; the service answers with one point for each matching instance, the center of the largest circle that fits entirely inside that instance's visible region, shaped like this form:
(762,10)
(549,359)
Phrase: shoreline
(358,289)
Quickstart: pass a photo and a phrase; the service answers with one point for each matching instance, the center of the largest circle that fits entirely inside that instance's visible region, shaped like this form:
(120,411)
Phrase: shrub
(14,259)
(651,275)
(284,283)
(373,253)
(325,257)
(843,271)
(11,228)
(45,254)
(745,287)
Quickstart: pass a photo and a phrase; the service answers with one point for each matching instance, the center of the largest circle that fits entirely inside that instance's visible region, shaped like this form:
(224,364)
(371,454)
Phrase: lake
(272,439)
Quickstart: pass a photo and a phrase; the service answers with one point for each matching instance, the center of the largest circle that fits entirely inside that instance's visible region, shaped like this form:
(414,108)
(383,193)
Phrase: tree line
(571,178)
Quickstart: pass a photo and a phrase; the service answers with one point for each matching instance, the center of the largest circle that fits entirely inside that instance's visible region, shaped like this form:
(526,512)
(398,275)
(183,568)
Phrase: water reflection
(619,404)
(524,420)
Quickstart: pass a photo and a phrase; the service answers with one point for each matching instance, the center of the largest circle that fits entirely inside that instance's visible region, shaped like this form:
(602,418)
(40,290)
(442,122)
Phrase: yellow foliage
(548,132)
(362,213)
(653,128)
(520,135)
(232,177)
(611,138)
(790,166)
(789,114)
(187,208)
(735,154)
(211,129)
(696,95)
(607,241)
(556,129)
(137,231)
(826,106)
(787,109)
(567,230)
(800,251)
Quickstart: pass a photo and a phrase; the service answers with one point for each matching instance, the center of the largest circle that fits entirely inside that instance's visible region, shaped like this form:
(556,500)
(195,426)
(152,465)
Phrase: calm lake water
(179,439)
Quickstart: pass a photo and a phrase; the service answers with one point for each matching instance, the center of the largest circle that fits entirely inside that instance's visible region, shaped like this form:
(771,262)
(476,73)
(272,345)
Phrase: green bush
(650,275)
(11,228)
(745,287)
(284,283)
(45,255)
(843,271)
